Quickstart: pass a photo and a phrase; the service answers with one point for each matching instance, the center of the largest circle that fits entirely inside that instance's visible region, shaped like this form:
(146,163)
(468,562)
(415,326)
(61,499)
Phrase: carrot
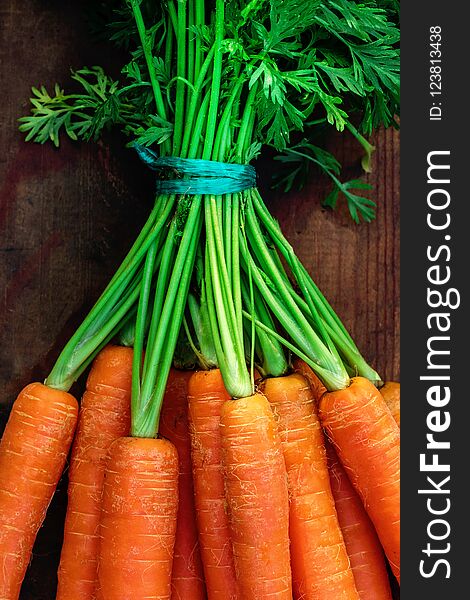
(187,578)
(138,520)
(320,563)
(257,498)
(206,395)
(104,416)
(33,452)
(363,545)
(391,394)
(367,441)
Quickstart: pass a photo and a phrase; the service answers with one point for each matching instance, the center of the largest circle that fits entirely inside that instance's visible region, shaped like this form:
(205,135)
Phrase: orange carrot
(257,498)
(138,520)
(206,395)
(367,440)
(104,416)
(363,545)
(33,452)
(391,394)
(320,563)
(187,578)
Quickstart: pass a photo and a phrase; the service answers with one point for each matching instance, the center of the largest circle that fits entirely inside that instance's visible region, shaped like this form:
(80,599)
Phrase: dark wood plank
(67,218)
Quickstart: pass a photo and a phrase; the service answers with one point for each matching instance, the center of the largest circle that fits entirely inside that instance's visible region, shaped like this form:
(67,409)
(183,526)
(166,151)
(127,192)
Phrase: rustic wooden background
(67,218)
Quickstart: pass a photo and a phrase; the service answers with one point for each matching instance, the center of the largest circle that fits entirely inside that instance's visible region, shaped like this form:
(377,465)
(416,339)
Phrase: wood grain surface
(68,216)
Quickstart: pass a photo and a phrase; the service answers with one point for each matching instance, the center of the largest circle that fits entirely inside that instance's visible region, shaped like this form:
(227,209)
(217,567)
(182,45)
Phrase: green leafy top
(288,66)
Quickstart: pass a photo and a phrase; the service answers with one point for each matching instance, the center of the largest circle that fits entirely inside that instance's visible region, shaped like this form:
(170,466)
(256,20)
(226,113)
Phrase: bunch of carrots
(267,464)
(235,499)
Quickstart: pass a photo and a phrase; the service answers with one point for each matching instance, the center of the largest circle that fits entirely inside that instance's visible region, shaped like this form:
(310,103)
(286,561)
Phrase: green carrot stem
(181,74)
(216,81)
(192,344)
(144,40)
(315,306)
(173,15)
(229,370)
(271,354)
(190,41)
(105,341)
(199,18)
(235,258)
(228,225)
(302,333)
(194,102)
(194,148)
(164,274)
(96,325)
(144,421)
(243,140)
(269,267)
(330,379)
(169,38)
(368,147)
(127,334)
(141,320)
(147,423)
(352,358)
(251,304)
(229,328)
(202,328)
(65,372)
(220,143)
(328,314)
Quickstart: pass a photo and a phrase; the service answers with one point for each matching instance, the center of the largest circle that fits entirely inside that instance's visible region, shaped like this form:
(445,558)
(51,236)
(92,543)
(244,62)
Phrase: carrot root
(320,563)
(104,417)
(363,546)
(206,396)
(138,520)
(187,578)
(257,498)
(33,452)
(367,440)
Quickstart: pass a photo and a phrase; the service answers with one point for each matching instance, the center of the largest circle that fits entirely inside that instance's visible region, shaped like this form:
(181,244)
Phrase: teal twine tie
(195,176)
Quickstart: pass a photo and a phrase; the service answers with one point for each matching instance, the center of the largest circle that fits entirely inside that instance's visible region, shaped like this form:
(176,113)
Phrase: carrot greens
(207,86)
(286,70)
